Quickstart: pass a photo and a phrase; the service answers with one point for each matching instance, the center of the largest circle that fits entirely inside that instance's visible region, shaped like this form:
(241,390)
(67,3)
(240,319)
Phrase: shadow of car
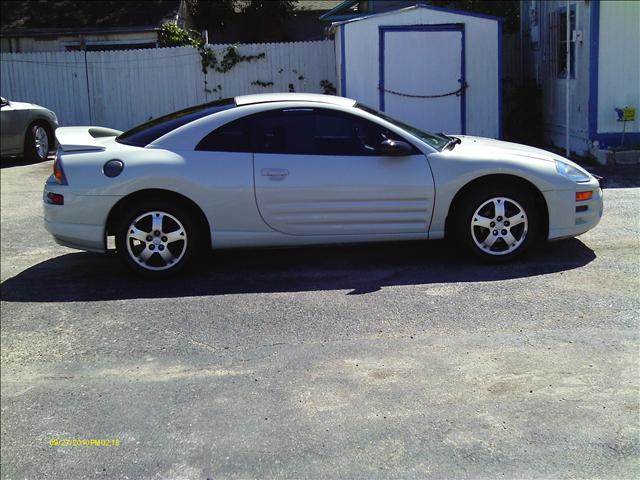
(360,269)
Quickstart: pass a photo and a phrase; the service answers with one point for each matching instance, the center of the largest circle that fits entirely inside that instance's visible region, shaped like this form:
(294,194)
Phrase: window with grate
(561,45)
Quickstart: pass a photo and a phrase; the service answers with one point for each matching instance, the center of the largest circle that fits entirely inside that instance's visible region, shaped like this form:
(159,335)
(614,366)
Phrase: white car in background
(302,169)
(27,129)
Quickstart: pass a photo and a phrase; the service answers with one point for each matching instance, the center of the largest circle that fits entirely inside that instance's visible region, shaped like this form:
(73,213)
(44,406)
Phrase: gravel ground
(384,361)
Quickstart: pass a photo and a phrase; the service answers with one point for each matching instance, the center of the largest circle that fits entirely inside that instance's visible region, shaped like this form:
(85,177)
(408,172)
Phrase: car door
(11,128)
(318,172)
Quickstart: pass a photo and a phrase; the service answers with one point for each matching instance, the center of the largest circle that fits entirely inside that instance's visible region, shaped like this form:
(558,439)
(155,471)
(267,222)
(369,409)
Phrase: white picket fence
(120,89)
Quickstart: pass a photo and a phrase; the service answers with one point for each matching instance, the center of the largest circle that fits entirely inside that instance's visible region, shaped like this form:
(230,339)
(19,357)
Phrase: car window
(144,134)
(436,140)
(287,131)
(338,133)
(299,131)
(316,131)
(232,137)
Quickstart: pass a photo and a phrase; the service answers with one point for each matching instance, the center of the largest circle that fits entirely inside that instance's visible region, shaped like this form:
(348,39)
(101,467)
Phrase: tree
(249,20)
(509,9)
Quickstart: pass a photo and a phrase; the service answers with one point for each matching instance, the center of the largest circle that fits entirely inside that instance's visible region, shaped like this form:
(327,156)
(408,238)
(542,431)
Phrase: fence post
(86,73)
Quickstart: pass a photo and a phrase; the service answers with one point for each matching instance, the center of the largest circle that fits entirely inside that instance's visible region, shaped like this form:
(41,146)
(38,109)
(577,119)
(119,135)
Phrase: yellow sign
(628,114)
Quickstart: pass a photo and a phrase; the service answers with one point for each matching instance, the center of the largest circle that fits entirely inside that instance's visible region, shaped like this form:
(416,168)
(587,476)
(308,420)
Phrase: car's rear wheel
(157,238)
(498,224)
(37,143)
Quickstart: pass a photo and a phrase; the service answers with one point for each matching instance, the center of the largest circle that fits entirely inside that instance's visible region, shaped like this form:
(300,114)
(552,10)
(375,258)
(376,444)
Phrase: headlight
(572,171)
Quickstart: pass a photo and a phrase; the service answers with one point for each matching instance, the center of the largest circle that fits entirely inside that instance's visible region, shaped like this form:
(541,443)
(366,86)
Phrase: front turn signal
(583,196)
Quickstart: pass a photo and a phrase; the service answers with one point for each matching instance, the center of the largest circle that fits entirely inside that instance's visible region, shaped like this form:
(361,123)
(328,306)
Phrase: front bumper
(568,218)
(80,222)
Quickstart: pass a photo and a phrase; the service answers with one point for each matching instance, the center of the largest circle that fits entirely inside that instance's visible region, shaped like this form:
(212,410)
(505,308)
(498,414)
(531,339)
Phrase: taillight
(58,172)
(55,198)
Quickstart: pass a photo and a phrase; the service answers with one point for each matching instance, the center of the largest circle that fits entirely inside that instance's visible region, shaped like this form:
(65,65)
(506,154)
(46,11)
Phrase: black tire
(173,217)
(33,151)
(479,204)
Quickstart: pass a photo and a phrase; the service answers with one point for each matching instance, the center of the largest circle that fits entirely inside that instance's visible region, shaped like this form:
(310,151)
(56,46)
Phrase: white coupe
(302,169)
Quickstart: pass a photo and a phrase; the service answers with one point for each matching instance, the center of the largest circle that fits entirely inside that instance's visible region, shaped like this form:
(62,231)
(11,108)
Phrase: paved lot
(400,360)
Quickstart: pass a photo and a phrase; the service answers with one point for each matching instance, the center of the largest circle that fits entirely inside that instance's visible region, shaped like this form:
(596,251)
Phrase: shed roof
(424,6)
(46,17)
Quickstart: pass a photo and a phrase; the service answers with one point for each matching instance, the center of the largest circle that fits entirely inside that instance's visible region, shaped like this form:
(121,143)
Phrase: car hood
(25,106)
(480,146)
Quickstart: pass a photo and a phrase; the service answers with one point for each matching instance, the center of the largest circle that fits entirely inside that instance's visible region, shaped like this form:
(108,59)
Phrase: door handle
(274,172)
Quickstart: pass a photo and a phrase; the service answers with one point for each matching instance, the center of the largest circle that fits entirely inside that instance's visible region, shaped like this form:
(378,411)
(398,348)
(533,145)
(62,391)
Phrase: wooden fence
(120,89)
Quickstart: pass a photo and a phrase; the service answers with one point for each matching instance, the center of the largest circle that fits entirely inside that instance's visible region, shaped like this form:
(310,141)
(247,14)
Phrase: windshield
(144,134)
(435,140)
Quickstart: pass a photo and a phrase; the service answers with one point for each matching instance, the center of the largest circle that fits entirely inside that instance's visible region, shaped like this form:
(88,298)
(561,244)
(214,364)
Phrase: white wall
(618,68)
(619,64)
(120,89)
(481,37)
(542,58)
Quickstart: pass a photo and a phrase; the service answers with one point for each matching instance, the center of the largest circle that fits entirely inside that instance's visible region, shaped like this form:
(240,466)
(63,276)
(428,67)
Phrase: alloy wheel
(41,141)
(156,241)
(499,226)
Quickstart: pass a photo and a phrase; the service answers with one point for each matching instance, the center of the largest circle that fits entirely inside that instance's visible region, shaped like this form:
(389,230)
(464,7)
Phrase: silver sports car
(27,129)
(301,169)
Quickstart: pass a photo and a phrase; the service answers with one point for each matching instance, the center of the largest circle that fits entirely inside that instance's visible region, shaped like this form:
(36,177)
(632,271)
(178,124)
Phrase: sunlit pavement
(395,360)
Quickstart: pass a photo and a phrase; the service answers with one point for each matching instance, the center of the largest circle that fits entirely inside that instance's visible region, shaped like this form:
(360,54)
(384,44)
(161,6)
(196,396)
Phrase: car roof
(293,97)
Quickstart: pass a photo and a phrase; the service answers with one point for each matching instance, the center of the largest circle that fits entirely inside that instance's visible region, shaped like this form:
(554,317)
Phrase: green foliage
(230,59)
(508,9)
(328,88)
(261,83)
(171,35)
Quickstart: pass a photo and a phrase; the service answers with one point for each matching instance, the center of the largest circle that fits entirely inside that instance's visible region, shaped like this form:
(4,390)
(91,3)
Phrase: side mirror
(395,148)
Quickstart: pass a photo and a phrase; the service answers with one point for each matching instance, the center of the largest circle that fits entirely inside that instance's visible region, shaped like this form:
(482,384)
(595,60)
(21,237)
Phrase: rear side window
(233,137)
(144,134)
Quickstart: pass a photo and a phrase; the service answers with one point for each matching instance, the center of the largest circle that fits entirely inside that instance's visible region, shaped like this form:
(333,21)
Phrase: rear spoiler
(72,139)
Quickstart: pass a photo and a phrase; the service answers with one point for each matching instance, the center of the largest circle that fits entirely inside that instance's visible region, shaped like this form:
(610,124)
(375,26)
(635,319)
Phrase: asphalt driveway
(395,360)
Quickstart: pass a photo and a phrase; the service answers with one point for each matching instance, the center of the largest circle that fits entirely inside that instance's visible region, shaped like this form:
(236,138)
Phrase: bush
(171,35)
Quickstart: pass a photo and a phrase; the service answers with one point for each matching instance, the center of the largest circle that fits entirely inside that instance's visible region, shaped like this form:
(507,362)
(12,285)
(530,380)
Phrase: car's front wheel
(157,239)
(37,143)
(498,224)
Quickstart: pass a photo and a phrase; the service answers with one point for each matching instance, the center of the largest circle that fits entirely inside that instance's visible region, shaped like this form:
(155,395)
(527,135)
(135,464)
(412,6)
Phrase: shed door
(422,74)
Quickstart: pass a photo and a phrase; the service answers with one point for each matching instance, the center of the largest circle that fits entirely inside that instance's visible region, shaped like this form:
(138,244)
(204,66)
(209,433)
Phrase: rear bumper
(73,235)
(80,222)
(568,218)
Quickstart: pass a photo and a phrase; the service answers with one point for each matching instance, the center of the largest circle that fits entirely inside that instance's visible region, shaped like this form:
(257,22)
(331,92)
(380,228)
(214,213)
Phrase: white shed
(435,68)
